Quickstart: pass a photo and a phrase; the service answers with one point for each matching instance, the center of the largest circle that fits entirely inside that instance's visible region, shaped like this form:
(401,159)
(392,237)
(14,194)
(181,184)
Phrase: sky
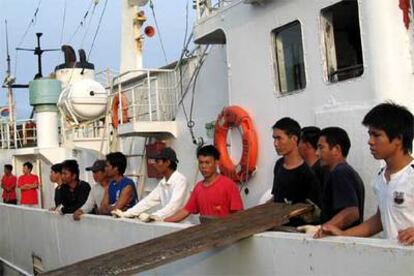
(170,14)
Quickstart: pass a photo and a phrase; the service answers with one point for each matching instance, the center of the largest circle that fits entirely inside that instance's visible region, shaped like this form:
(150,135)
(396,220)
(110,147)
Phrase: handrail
(17,135)
(152,98)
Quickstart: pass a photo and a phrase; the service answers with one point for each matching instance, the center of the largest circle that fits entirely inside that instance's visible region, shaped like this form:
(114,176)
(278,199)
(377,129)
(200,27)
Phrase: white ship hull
(60,241)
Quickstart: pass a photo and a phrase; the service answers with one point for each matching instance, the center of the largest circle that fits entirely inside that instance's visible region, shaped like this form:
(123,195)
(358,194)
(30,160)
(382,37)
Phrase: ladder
(140,176)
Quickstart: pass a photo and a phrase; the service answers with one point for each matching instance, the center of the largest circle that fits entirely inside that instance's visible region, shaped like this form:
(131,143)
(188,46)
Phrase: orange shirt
(28,196)
(9,182)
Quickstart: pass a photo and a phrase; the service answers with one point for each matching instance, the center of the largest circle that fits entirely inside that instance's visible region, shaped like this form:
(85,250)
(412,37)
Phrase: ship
(322,62)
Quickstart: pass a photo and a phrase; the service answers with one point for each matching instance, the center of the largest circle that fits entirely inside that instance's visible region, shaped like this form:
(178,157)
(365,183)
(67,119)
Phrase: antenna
(8,80)
(7,49)
(38,51)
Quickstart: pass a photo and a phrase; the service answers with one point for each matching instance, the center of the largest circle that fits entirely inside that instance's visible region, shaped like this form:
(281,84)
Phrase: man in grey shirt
(96,195)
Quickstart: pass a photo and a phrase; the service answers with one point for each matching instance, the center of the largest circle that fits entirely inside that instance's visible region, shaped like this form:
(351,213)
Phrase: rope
(32,22)
(98,27)
(81,22)
(159,32)
(89,24)
(63,21)
(193,80)
(96,32)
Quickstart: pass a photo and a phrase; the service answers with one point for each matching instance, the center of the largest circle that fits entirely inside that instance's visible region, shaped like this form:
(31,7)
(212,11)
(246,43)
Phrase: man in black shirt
(308,147)
(74,192)
(343,194)
(293,180)
(56,177)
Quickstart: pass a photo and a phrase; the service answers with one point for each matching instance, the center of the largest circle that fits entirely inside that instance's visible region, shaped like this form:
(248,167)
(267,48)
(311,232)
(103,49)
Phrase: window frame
(275,59)
(327,76)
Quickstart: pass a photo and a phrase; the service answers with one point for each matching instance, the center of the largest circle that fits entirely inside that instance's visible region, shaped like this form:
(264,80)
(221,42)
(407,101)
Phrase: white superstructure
(322,62)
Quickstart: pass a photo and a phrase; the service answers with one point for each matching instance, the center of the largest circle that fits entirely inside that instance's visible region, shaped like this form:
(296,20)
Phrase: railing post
(149,95)
(157,99)
(15,134)
(177,99)
(120,102)
(133,104)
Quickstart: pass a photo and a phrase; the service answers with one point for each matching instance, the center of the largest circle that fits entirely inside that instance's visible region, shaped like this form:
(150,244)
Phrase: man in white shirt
(96,195)
(391,131)
(170,194)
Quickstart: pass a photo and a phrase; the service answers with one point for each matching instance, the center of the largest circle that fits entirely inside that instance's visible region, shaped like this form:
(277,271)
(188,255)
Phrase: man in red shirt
(8,184)
(214,196)
(28,184)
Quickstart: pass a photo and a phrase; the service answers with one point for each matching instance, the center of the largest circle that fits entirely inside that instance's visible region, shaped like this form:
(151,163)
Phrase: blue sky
(171,16)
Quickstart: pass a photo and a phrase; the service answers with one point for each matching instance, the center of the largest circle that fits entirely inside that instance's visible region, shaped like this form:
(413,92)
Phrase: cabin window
(289,63)
(342,41)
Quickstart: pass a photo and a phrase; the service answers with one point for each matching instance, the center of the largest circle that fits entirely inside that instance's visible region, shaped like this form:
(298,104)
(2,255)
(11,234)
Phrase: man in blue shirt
(121,193)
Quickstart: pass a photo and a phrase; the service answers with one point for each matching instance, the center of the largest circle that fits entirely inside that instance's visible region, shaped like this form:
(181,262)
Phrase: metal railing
(152,95)
(105,77)
(19,134)
(87,130)
(205,8)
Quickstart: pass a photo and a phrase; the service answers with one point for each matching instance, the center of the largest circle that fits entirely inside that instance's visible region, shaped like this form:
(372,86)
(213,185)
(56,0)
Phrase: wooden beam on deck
(177,245)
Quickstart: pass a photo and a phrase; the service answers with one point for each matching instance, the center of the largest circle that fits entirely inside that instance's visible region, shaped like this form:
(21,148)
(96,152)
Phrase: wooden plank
(155,252)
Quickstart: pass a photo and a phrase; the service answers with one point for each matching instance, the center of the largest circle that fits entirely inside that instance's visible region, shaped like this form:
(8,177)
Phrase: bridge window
(342,41)
(289,62)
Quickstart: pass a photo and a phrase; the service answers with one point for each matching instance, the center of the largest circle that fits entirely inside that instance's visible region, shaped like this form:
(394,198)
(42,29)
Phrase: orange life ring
(235,116)
(115,108)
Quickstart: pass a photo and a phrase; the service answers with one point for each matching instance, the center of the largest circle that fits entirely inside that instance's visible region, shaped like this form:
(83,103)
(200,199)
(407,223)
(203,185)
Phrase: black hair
(395,120)
(71,166)
(172,166)
(117,159)
(57,168)
(209,150)
(28,165)
(8,167)
(310,135)
(289,126)
(337,136)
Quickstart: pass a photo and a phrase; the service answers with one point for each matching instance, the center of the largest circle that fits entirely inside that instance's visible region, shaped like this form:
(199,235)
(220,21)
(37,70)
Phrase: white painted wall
(388,74)
(59,241)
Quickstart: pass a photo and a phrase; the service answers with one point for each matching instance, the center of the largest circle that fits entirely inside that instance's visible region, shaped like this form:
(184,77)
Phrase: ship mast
(131,38)
(8,82)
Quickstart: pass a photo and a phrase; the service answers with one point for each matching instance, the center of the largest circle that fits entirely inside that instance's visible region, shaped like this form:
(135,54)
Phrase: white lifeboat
(83,100)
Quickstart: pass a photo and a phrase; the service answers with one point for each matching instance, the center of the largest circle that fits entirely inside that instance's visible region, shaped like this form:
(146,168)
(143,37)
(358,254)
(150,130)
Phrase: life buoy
(115,108)
(235,116)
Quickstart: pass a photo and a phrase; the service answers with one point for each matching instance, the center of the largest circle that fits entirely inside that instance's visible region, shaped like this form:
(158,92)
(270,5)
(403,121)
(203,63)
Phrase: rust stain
(405,7)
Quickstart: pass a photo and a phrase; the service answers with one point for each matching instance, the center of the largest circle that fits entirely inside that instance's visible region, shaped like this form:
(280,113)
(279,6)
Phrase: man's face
(380,145)
(207,165)
(161,166)
(26,170)
(67,176)
(282,142)
(110,170)
(325,153)
(99,176)
(54,176)
(303,148)
(7,171)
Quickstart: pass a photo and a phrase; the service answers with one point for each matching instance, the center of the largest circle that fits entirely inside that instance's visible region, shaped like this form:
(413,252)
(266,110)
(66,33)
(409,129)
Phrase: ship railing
(18,134)
(105,77)
(89,130)
(152,94)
